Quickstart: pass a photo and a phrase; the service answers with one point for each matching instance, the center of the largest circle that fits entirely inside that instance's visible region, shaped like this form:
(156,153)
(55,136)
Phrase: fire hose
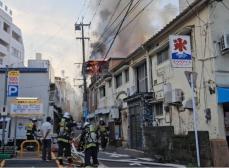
(77,155)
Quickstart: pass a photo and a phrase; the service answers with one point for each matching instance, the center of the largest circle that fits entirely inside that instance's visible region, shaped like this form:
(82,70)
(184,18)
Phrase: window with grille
(110,83)
(127,75)
(102,91)
(118,79)
(158,108)
(141,78)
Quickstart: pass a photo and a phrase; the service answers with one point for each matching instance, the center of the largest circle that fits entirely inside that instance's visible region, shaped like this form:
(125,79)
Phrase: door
(135,128)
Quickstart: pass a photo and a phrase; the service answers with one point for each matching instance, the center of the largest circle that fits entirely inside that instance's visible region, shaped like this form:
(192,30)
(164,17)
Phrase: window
(6,8)
(102,91)
(118,80)
(3,43)
(127,75)
(15,52)
(1,61)
(16,36)
(141,78)
(158,108)
(1,4)
(162,56)
(109,83)
(6,27)
(1,124)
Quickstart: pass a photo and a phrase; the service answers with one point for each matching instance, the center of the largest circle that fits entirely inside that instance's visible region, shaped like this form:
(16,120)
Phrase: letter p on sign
(13,90)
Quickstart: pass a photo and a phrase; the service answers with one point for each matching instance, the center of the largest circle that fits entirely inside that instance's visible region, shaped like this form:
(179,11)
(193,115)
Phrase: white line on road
(142,162)
(115,154)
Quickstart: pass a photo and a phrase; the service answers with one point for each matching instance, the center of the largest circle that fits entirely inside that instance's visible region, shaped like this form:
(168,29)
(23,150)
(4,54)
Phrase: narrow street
(113,159)
(147,80)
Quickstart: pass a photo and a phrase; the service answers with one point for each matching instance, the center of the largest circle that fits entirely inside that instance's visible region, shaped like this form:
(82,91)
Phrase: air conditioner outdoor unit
(174,97)
(225,42)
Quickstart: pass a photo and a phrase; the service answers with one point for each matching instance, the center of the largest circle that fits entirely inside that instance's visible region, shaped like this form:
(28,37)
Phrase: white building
(11,42)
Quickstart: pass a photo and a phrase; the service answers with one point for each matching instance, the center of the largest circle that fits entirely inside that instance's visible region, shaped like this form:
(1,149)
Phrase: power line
(225,5)
(137,15)
(107,38)
(81,10)
(195,12)
(108,27)
(96,10)
(114,12)
(131,2)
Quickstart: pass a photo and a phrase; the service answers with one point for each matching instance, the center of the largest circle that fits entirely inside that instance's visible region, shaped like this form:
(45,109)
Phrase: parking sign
(13,90)
(13,83)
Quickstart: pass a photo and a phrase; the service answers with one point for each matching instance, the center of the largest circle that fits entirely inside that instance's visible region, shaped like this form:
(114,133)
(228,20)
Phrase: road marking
(115,154)
(147,159)
(135,164)
(143,162)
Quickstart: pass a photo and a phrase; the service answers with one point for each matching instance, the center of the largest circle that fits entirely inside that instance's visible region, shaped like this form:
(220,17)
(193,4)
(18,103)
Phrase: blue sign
(13,90)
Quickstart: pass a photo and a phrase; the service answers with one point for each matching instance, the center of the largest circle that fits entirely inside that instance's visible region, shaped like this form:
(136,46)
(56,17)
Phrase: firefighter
(89,141)
(31,129)
(103,133)
(64,138)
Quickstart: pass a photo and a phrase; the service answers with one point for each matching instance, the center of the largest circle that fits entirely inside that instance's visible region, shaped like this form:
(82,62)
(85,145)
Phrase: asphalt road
(112,159)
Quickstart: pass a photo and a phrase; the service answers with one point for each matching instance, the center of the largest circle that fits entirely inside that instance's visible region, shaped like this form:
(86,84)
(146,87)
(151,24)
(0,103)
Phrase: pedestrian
(88,140)
(103,133)
(31,129)
(46,131)
(64,138)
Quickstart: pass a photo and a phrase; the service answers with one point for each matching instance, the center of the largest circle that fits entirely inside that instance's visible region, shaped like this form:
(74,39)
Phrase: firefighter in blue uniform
(64,138)
(88,141)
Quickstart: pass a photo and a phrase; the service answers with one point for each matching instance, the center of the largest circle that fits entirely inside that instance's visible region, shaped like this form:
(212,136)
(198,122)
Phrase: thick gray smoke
(141,29)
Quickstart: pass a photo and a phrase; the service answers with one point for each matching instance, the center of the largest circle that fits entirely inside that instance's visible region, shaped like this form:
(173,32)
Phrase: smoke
(141,28)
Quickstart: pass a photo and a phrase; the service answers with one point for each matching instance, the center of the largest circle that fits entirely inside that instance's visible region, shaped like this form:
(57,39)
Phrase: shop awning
(223,95)
(102,111)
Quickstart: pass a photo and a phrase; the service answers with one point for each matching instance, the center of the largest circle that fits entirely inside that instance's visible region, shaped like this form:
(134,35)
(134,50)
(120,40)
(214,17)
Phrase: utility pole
(5,112)
(85,99)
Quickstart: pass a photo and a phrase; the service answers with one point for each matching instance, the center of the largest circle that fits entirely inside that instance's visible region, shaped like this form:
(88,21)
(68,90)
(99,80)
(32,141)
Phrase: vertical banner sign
(13,83)
(180,51)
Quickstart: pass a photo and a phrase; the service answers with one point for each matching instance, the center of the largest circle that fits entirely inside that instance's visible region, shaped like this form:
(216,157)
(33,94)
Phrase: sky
(48,28)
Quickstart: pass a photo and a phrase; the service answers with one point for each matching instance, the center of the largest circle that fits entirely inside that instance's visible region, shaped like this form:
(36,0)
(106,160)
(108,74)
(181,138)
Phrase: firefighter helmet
(66,115)
(86,124)
(34,119)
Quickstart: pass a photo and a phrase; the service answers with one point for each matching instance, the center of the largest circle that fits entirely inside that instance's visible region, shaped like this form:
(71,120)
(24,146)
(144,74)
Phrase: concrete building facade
(11,42)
